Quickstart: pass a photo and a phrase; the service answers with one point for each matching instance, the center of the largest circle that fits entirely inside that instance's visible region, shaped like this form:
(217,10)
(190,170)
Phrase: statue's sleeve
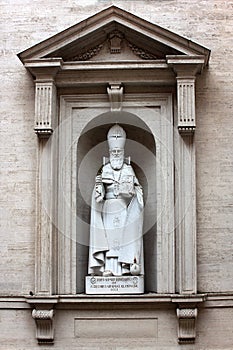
(99,191)
(137,187)
(98,242)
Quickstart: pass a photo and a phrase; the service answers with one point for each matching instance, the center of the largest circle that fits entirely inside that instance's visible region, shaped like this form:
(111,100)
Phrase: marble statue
(116,244)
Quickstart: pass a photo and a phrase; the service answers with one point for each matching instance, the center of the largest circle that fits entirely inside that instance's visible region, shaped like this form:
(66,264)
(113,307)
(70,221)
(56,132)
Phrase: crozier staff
(116,245)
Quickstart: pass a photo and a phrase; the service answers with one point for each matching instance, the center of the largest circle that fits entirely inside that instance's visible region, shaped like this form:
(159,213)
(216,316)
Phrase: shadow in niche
(91,148)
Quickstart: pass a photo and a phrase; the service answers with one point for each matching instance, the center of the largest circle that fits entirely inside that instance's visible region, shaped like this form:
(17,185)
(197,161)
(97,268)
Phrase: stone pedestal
(115,285)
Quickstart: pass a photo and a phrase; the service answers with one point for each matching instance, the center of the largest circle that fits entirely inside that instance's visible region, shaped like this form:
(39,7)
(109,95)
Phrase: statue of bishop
(116,230)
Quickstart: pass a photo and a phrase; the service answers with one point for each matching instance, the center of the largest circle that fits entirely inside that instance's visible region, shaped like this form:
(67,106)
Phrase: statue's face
(116,158)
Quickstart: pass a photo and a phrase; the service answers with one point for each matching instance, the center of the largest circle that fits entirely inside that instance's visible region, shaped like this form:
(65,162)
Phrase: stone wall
(207,22)
(214,330)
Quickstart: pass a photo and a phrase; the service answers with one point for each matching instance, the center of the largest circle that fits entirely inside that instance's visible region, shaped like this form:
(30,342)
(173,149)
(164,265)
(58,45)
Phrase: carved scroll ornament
(44,325)
(187,325)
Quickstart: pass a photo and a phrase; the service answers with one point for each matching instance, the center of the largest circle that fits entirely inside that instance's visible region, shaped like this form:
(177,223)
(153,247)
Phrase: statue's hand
(132,192)
(99,199)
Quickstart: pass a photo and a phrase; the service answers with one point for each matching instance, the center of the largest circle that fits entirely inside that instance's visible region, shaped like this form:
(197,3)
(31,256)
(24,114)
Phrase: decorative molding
(186,65)
(85,56)
(58,44)
(186,325)
(115,42)
(186,104)
(137,104)
(44,325)
(186,309)
(78,73)
(45,108)
(115,94)
(143,54)
(186,68)
(207,300)
(182,300)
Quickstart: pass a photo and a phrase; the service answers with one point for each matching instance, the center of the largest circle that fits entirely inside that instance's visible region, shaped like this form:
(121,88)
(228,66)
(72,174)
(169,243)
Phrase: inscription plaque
(115,285)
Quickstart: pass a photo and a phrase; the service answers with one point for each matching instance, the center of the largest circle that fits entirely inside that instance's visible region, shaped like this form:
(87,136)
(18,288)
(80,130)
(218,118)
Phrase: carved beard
(116,162)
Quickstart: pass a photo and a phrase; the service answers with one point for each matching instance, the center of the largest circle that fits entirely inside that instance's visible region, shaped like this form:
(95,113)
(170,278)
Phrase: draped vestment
(117,223)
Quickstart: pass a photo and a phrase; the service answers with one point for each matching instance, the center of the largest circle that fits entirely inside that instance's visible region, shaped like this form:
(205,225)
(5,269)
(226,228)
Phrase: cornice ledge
(189,298)
(41,299)
(186,64)
(44,66)
(144,298)
(95,65)
(150,297)
(219,296)
(191,59)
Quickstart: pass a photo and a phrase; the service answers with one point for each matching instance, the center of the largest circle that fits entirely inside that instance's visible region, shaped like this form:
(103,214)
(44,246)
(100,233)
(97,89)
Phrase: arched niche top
(92,146)
(130,122)
(92,143)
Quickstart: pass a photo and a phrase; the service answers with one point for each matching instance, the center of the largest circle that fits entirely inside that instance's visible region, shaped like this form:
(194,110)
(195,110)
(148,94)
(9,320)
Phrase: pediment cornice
(113,35)
(114,48)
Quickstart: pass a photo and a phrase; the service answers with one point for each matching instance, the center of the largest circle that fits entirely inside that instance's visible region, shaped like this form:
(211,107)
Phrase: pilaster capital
(44,69)
(45,107)
(186,66)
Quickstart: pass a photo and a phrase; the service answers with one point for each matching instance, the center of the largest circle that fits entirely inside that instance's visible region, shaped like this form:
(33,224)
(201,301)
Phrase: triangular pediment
(114,35)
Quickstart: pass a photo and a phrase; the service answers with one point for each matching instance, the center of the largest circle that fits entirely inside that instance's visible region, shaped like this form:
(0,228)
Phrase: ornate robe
(116,223)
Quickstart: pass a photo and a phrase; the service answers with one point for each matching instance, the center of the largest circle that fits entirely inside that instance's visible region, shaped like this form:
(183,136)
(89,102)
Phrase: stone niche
(115,67)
